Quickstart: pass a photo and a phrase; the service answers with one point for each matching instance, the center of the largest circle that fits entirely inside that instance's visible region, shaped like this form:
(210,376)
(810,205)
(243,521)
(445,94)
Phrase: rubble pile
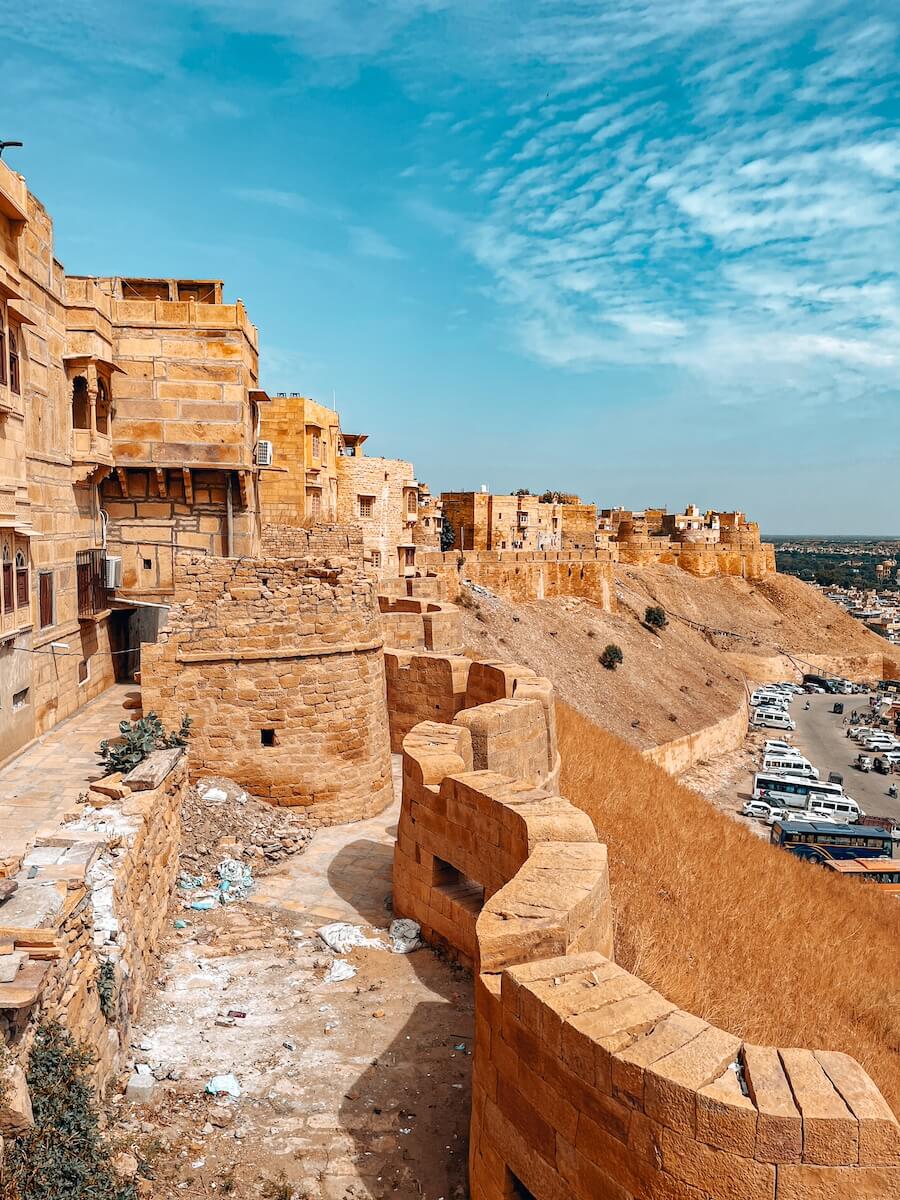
(221,820)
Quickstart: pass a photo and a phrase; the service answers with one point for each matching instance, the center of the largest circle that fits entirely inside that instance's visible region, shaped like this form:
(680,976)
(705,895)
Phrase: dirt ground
(669,684)
(349,1089)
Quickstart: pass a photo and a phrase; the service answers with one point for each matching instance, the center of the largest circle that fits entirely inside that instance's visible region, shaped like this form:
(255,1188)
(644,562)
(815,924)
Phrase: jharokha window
(15,383)
(8,582)
(21,579)
(2,350)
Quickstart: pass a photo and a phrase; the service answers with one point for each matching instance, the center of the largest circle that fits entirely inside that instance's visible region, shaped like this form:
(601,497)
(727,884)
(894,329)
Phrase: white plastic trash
(340,970)
(405,935)
(224,1083)
(341,937)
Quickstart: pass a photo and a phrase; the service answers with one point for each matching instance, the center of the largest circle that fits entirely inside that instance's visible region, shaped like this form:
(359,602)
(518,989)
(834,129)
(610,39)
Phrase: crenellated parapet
(588,1083)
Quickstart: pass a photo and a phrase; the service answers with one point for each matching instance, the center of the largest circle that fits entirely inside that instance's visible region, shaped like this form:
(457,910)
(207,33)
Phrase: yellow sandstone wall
(682,753)
(91,906)
(280,664)
(588,1084)
(528,575)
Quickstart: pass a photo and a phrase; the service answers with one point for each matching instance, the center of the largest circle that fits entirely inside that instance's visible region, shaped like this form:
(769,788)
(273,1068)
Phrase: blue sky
(643,251)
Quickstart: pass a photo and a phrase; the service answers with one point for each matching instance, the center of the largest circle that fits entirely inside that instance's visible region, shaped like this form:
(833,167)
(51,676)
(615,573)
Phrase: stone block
(15,1103)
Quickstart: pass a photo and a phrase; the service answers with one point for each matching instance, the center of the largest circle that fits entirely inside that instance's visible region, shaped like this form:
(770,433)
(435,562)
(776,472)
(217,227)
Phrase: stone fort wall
(280,664)
(587,1083)
(527,575)
(95,891)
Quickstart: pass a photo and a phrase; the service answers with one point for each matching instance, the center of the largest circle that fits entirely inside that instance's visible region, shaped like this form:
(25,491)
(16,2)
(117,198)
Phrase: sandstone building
(128,418)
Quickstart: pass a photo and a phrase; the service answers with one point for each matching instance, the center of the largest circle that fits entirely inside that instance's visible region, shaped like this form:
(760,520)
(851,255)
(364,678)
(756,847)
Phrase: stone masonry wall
(411,624)
(528,575)
(96,890)
(587,1084)
(318,541)
(280,664)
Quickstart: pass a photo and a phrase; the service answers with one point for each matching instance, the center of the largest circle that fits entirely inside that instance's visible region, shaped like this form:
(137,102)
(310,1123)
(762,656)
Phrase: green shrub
(655,617)
(63,1155)
(611,657)
(139,740)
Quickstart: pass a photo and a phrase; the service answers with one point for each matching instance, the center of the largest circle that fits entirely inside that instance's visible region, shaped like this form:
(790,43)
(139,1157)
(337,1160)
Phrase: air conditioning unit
(113,572)
(264,454)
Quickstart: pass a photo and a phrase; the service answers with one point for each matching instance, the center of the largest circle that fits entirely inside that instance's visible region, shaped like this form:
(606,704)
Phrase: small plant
(278,1189)
(655,617)
(63,1153)
(611,657)
(107,989)
(139,740)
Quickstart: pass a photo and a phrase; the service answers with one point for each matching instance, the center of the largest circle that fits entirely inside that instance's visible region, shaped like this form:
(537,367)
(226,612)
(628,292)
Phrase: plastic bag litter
(341,936)
(235,879)
(224,1083)
(340,970)
(405,935)
(204,905)
(214,795)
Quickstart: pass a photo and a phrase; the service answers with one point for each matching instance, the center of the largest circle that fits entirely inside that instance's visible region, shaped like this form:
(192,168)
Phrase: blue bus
(817,841)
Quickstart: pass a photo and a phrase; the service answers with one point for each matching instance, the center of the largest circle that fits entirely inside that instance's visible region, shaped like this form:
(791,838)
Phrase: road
(822,736)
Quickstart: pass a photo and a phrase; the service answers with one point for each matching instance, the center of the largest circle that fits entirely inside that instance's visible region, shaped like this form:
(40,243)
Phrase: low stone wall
(416,624)
(528,575)
(429,687)
(586,1082)
(741,556)
(317,541)
(771,668)
(685,752)
(280,664)
(96,891)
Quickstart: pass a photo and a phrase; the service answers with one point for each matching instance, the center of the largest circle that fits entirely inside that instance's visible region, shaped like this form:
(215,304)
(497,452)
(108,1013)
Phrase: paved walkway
(46,779)
(345,872)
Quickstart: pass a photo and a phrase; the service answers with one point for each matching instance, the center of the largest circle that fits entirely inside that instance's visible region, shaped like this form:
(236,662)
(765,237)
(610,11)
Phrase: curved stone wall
(409,623)
(280,665)
(588,1084)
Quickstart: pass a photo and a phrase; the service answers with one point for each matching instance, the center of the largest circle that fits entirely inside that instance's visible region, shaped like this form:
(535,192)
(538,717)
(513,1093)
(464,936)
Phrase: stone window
(314,503)
(45,595)
(81,414)
(102,406)
(84,670)
(315,436)
(376,558)
(21,579)
(366,506)
(267,737)
(15,383)
(411,504)
(20,699)
(8,582)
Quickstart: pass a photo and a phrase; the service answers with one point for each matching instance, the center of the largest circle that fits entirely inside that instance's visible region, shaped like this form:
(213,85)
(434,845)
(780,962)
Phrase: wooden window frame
(48,600)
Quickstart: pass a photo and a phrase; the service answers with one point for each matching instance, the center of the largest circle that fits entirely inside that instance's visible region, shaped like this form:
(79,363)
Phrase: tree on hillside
(655,617)
(611,657)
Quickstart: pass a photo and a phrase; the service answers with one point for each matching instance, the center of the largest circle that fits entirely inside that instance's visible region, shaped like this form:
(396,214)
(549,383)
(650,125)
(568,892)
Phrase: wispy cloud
(274,197)
(369,243)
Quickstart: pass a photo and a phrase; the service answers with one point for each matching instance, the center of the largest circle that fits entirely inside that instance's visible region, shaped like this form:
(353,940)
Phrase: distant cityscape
(860,574)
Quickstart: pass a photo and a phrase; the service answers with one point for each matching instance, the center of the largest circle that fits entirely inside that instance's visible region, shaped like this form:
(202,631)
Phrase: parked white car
(756,808)
(777,746)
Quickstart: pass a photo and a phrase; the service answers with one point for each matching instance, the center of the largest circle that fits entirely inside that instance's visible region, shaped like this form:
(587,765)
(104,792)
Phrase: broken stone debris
(140,1087)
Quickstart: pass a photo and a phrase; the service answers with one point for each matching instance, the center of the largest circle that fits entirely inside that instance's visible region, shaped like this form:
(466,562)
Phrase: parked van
(794,765)
(776,746)
(844,808)
(769,719)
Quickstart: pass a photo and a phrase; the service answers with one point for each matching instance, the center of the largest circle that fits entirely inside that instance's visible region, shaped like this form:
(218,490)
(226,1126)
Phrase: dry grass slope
(730,928)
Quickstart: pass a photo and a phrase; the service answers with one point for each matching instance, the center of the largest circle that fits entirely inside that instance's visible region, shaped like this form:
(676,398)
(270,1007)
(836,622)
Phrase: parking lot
(822,736)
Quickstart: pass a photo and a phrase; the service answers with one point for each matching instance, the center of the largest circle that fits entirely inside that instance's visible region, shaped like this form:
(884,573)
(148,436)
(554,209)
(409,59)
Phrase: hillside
(728,927)
(676,682)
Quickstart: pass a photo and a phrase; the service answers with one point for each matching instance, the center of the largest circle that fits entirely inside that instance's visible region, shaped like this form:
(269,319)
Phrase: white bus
(791,791)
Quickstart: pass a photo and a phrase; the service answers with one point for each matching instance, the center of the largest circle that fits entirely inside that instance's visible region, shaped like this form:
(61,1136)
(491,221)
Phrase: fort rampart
(280,664)
(587,1083)
(527,575)
(89,912)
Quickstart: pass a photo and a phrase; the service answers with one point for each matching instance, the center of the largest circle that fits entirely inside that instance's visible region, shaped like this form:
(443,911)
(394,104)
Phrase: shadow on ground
(408,1112)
